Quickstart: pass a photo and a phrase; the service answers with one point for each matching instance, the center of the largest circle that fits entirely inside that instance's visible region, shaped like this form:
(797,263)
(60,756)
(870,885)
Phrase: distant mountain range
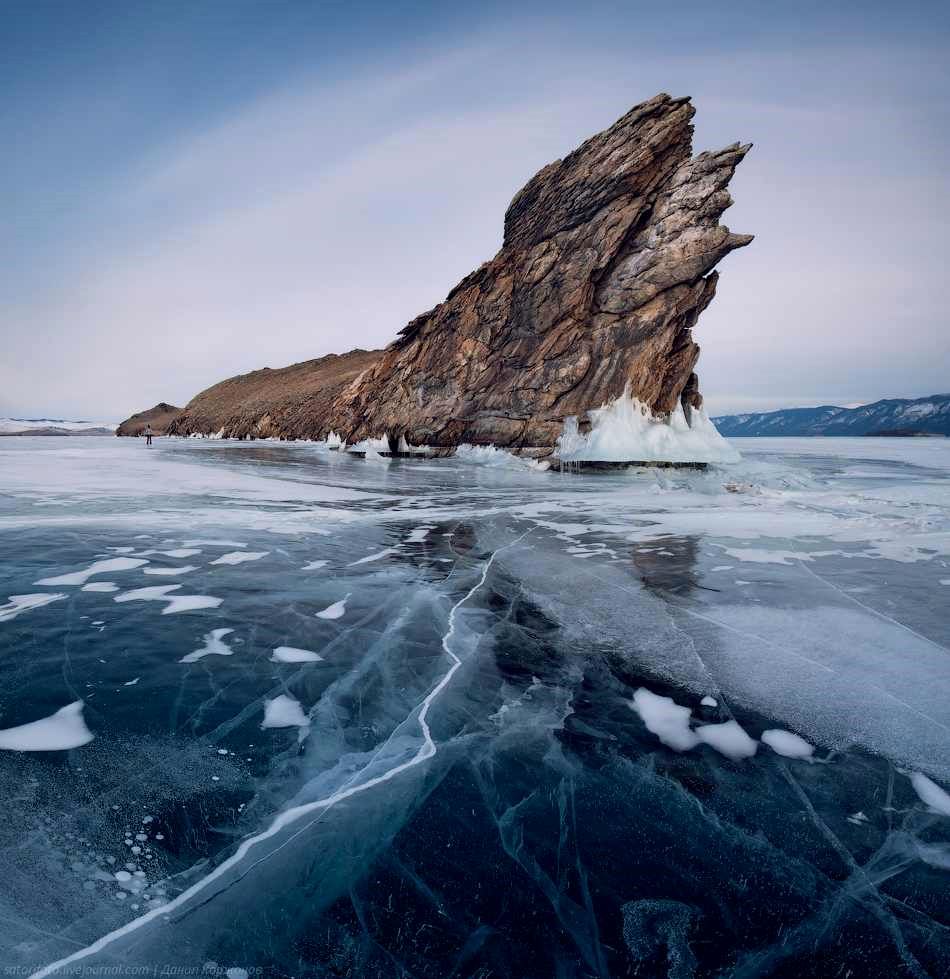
(893,416)
(53,426)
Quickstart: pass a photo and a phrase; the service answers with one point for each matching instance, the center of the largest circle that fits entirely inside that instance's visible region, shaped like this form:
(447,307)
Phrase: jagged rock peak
(605,267)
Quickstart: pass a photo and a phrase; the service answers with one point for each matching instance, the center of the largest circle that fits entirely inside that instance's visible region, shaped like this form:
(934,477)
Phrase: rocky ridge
(158,417)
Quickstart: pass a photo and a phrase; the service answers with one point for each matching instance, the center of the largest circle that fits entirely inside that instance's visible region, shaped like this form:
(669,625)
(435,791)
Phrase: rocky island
(158,418)
(606,264)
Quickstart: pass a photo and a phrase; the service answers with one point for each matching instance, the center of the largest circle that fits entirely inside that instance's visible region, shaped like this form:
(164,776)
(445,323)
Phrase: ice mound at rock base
(625,430)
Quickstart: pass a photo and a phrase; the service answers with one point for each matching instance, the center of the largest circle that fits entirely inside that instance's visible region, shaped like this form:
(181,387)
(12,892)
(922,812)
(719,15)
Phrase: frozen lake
(265,707)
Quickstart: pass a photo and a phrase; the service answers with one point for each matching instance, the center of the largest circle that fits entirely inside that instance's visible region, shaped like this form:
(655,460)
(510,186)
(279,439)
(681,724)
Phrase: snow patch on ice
(930,793)
(214,645)
(728,739)
(99,567)
(284,711)
(290,654)
(239,557)
(418,535)
(708,701)
(103,586)
(787,744)
(334,611)
(59,732)
(314,565)
(666,719)
(176,603)
(184,569)
(17,604)
(625,430)
(190,603)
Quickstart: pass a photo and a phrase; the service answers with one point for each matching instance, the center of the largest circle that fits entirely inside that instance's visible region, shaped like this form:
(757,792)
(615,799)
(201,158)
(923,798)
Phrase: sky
(192,190)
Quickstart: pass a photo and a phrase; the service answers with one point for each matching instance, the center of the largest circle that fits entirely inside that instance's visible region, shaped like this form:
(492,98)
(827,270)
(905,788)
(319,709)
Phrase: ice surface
(476,701)
(239,557)
(666,719)
(930,793)
(284,711)
(17,604)
(184,569)
(729,739)
(101,586)
(290,654)
(626,431)
(314,565)
(787,743)
(214,645)
(334,611)
(60,731)
(100,567)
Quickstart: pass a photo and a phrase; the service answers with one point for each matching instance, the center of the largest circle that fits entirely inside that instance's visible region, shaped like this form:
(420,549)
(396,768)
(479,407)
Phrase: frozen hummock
(627,431)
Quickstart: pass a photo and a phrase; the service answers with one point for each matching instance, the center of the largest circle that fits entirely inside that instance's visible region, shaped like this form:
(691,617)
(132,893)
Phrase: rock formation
(605,267)
(158,417)
(289,402)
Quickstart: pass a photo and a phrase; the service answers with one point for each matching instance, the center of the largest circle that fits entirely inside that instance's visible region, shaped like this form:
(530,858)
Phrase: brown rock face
(604,270)
(289,402)
(158,417)
(605,267)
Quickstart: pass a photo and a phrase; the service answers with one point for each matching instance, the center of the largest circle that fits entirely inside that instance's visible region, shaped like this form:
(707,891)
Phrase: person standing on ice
(148,434)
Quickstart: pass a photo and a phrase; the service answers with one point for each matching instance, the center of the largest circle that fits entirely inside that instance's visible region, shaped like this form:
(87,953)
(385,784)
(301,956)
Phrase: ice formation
(184,569)
(376,445)
(290,654)
(626,431)
(60,731)
(314,565)
(489,455)
(407,449)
